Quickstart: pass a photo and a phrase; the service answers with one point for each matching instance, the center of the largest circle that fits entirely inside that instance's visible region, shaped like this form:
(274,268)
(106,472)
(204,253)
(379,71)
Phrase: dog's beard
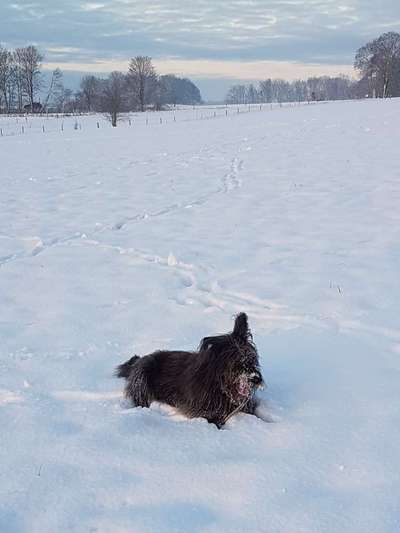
(244,387)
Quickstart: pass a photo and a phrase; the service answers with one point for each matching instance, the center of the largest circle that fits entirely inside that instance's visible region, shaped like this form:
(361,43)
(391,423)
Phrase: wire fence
(11,125)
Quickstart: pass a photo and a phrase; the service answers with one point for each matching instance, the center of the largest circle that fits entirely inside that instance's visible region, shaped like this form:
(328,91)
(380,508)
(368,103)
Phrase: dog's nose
(256,379)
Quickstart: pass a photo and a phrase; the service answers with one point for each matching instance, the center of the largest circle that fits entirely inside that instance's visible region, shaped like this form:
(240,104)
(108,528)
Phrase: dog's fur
(215,382)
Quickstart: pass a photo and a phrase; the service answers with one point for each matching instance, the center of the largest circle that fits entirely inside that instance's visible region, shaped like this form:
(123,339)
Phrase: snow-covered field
(121,241)
(40,124)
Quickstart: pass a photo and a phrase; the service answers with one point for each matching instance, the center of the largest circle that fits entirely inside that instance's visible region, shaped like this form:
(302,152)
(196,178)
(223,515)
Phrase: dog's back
(155,377)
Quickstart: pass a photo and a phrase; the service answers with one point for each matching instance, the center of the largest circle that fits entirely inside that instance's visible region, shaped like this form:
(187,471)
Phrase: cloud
(305,30)
(206,37)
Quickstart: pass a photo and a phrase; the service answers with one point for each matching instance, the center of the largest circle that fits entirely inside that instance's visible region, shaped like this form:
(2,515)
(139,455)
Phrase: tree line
(23,87)
(378,64)
(277,90)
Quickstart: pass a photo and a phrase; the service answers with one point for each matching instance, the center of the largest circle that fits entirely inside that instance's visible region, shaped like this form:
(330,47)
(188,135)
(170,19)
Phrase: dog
(215,382)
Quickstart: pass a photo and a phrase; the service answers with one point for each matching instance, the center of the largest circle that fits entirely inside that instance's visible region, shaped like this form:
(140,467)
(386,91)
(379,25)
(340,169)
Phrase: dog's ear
(241,330)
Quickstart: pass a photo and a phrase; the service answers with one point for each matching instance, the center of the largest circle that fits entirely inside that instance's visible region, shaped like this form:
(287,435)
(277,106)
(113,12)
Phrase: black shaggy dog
(217,381)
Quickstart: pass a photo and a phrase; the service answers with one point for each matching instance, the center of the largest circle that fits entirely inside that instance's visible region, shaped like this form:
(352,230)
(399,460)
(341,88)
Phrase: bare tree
(56,88)
(28,61)
(90,91)
(265,91)
(251,94)
(6,71)
(379,61)
(18,84)
(281,90)
(299,90)
(143,81)
(236,94)
(114,96)
(65,101)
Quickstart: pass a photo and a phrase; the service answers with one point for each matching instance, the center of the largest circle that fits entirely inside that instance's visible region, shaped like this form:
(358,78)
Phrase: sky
(215,43)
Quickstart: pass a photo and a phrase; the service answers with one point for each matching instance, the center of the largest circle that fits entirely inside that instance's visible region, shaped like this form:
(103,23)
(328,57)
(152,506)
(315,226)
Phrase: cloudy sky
(216,42)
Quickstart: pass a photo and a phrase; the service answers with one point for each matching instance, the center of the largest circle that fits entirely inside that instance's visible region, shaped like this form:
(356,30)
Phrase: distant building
(35,108)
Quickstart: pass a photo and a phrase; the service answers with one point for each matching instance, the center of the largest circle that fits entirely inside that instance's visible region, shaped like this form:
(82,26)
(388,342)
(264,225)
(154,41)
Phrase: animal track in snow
(231,180)
(9,397)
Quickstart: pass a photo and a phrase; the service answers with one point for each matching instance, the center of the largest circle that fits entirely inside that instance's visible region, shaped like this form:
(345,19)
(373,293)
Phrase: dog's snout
(256,379)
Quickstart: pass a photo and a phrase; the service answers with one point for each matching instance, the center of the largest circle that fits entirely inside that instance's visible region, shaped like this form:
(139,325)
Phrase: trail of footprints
(229,182)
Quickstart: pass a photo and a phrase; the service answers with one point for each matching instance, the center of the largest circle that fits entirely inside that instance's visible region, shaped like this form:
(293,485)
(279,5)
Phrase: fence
(11,125)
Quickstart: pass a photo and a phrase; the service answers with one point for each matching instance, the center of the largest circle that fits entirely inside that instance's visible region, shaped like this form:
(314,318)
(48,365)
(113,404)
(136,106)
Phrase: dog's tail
(123,371)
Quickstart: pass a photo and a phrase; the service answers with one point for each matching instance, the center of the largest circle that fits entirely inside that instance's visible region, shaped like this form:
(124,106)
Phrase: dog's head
(244,375)
(236,361)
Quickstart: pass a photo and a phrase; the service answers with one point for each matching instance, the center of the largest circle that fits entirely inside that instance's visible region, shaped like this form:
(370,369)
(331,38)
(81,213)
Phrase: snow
(122,241)
(55,123)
